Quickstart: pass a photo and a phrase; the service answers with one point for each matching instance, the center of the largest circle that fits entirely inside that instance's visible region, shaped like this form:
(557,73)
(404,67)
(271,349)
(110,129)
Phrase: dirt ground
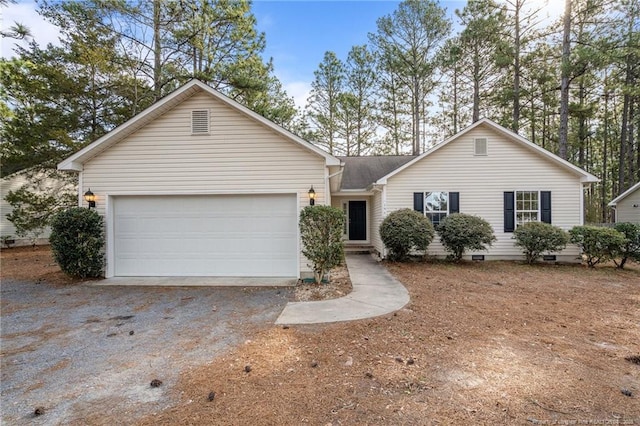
(479,343)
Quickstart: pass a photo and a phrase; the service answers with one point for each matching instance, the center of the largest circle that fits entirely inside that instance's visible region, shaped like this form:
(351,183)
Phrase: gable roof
(585,177)
(76,161)
(624,195)
(361,172)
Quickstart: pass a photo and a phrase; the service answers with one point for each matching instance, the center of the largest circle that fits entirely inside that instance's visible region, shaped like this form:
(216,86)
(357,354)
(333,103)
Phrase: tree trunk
(416,117)
(515,125)
(630,143)
(582,126)
(157,51)
(605,141)
(623,137)
(564,83)
(455,99)
(476,89)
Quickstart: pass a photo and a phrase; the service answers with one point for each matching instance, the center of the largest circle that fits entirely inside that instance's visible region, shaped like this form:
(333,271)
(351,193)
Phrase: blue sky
(298,32)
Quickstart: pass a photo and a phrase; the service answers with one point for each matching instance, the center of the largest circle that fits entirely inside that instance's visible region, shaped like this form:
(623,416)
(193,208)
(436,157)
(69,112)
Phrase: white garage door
(221,235)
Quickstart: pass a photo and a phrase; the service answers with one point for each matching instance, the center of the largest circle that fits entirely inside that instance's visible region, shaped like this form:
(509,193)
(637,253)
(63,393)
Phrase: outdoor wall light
(90,198)
(312,196)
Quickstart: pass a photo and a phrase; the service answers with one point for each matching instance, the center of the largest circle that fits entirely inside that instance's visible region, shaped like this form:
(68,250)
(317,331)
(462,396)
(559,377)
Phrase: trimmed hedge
(321,235)
(536,238)
(598,244)
(460,232)
(405,230)
(77,241)
(631,249)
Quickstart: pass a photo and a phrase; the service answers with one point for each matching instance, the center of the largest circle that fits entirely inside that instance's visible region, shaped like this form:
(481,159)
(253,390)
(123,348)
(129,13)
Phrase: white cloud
(25,13)
(298,90)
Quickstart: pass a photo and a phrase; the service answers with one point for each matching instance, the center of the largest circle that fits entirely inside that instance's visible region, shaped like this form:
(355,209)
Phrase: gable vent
(480,146)
(200,122)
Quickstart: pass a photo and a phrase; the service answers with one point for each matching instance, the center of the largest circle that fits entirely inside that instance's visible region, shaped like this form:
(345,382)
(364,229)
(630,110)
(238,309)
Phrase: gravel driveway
(84,350)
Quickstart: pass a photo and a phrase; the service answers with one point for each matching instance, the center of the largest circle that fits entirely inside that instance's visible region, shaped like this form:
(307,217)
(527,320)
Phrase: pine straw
(491,343)
(34,264)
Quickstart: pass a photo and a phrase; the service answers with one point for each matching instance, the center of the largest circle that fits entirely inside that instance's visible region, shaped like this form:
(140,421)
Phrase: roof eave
(624,195)
(72,166)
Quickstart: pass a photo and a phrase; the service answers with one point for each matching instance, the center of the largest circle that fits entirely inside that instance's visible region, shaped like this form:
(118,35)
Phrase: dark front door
(357,220)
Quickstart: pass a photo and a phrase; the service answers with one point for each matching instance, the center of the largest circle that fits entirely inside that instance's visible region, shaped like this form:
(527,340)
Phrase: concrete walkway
(375,292)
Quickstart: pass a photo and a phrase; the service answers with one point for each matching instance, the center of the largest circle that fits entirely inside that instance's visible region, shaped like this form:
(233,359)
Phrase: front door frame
(365,229)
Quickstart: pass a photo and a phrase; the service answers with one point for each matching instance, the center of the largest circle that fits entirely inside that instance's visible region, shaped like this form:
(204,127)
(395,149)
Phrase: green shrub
(536,238)
(405,230)
(631,249)
(77,241)
(460,232)
(321,234)
(598,244)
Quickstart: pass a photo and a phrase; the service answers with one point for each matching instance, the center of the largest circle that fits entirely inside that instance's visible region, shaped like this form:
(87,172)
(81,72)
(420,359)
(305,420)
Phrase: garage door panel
(225,235)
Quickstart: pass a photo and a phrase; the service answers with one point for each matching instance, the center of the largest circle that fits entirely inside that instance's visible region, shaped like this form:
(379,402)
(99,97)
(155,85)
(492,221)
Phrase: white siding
(625,212)
(238,156)
(482,180)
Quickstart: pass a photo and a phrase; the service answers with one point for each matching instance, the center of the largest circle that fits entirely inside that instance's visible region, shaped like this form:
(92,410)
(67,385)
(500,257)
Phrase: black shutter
(509,216)
(545,206)
(418,201)
(454,202)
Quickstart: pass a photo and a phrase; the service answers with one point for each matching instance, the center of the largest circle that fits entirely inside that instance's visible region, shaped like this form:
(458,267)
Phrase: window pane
(435,218)
(526,207)
(436,201)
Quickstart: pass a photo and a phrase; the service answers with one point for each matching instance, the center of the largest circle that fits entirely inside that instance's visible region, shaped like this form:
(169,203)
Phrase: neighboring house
(198,185)
(13,182)
(627,205)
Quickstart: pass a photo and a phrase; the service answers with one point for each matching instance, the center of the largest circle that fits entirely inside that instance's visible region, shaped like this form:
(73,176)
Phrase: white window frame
(528,211)
(429,213)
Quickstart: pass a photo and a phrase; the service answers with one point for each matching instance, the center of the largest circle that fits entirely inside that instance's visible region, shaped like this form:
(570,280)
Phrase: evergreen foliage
(631,249)
(77,242)
(321,235)
(598,244)
(537,238)
(460,232)
(403,231)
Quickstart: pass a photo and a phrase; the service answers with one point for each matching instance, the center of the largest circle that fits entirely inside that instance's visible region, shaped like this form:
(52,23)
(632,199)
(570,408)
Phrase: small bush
(631,249)
(460,232)
(77,240)
(536,238)
(321,234)
(598,244)
(403,231)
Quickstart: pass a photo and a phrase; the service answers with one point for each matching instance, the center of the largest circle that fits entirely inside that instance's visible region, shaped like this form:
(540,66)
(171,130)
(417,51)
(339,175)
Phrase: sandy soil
(479,343)
(484,343)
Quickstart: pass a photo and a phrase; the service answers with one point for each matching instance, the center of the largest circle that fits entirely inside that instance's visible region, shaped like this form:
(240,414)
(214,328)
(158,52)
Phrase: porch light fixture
(90,198)
(312,196)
